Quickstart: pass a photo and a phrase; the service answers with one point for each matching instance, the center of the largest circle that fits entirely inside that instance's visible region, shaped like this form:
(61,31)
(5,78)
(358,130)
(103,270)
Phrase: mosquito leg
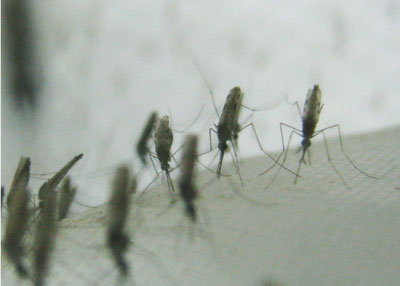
(262,149)
(330,161)
(209,135)
(344,153)
(156,177)
(237,163)
(283,161)
(151,156)
(298,170)
(295,130)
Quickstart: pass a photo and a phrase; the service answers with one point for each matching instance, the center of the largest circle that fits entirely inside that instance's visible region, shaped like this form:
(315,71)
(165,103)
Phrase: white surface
(314,233)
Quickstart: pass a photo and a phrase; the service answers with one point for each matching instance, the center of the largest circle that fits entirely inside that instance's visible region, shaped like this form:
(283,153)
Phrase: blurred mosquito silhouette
(142,149)
(309,118)
(117,237)
(186,181)
(16,227)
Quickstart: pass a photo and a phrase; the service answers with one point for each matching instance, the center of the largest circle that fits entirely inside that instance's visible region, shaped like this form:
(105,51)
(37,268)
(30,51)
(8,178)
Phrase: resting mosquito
(309,118)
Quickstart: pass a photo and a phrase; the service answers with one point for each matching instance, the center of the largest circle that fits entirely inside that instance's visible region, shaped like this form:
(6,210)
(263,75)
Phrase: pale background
(107,64)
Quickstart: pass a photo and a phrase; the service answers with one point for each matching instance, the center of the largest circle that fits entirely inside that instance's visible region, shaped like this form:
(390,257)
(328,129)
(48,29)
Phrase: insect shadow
(309,118)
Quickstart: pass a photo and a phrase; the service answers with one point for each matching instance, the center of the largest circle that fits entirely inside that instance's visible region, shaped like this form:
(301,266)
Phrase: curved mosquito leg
(155,179)
(176,162)
(209,135)
(281,125)
(344,153)
(283,161)
(262,149)
(298,170)
(151,156)
(330,161)
(190,124)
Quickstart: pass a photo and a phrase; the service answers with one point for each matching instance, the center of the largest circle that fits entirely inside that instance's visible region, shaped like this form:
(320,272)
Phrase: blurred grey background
(93,70)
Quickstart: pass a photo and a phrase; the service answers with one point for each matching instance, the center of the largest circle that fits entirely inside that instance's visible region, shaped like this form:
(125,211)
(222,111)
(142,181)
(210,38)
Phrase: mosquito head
(191,212)
(236,91)
(306,143)
(222,146)
(162,123)
(165,166)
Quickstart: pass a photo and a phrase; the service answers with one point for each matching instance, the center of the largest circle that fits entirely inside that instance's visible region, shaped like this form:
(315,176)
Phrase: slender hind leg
(262,149)
(342,149)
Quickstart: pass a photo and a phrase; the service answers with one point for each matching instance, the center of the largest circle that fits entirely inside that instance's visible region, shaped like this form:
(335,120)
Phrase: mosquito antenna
(190,124)
(267,107)
(196,65)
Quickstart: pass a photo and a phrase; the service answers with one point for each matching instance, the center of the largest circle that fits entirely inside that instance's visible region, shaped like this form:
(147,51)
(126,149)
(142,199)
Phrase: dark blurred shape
(20,55)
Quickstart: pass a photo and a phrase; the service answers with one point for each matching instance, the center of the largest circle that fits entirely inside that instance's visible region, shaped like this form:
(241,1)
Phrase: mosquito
(309,118)
(163,138)
(21,178)
(142,149)
(188,191)
(67,195)
(45,236)
(117,238)
(51,184)
(228,127)
(16,227)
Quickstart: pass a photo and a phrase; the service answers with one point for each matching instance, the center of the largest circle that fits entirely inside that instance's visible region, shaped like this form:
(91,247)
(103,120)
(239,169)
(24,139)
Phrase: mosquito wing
(230,112)
(312,105)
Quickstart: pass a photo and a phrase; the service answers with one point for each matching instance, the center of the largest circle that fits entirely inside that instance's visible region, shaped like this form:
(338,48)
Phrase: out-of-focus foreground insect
(117,238)
(16,227)
(142,149)
(187,187)
(45,237)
